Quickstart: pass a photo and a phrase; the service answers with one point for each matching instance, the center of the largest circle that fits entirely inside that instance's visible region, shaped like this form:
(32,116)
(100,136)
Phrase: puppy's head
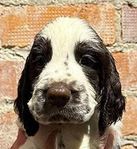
(67,73)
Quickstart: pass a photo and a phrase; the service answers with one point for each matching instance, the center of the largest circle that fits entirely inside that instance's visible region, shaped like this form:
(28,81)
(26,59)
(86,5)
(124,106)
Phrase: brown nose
(59,94)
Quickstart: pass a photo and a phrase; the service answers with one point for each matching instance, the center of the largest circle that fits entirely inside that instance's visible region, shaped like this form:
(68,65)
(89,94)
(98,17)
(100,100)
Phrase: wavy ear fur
(21,107)
(112,103)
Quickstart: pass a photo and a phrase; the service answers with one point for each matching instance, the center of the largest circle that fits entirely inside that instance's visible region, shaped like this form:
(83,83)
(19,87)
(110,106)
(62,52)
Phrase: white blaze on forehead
(64,34)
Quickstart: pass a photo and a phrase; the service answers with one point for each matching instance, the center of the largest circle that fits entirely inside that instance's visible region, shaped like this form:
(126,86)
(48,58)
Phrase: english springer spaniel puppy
(70,85)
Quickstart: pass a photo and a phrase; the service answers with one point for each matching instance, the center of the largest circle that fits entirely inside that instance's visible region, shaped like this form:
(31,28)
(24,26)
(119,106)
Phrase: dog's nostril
(58,94)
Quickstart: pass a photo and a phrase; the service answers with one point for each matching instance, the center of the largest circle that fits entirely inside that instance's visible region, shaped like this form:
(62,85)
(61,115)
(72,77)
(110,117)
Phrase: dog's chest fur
(68,138)
(82,136)
(76,137)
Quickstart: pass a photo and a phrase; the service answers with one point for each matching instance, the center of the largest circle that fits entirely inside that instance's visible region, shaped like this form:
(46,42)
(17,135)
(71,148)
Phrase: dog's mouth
(78,114)
(69,114)
(59,118)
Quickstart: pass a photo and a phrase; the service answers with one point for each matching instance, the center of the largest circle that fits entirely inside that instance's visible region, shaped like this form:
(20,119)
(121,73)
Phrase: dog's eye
(89,61)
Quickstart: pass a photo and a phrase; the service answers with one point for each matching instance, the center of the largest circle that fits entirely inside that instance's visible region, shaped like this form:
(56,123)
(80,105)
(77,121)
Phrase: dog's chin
(65,116)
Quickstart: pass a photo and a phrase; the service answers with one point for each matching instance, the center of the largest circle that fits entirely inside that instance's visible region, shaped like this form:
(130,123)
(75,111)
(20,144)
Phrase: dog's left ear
(21,107)
(112,102)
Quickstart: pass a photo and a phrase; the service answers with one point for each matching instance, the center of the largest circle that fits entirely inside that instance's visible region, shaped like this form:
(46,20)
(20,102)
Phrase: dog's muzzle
(62,103)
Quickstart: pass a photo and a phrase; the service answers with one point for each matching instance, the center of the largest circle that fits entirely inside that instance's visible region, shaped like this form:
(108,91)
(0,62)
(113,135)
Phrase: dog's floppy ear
(112,102)
(21,107)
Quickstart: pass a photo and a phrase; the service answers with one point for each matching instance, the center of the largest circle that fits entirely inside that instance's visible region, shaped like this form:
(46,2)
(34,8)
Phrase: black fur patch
(40,54)
(99,67)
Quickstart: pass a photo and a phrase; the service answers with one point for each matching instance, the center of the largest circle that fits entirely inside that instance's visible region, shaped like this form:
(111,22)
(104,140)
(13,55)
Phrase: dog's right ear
(23,96)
